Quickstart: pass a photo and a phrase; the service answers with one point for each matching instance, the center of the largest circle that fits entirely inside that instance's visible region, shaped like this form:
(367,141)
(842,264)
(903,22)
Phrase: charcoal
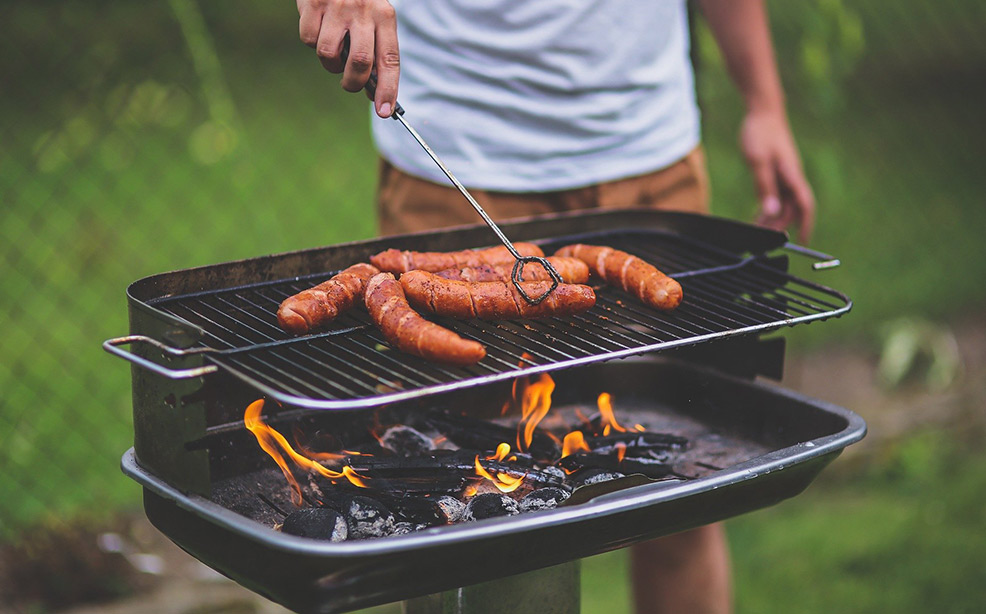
(652,468)
(403,528)
(405,441)
(452,508)
(543,499)
(317,523)
(556,473)
(415,510)
(489,505)
(605,444)
(593,475)
(479,434)
(369,518)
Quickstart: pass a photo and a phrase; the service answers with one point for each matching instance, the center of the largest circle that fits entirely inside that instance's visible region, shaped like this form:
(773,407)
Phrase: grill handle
(825,261)
(112,346)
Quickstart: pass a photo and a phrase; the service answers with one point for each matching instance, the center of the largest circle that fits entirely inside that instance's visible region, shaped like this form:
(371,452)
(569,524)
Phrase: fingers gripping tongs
(516,276)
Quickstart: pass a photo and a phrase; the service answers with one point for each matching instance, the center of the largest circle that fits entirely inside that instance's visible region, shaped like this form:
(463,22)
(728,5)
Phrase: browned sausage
(571,270)
(409,332)
(308,310)
(396,261)
(492,300)
(629,273)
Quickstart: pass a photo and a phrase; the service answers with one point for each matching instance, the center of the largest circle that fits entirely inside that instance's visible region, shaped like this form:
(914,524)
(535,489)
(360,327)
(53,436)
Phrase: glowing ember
(574,442)
(269,440)
(534,407)
(605,403)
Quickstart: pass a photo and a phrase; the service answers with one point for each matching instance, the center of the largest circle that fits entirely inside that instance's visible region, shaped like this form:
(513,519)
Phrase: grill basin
(796,437)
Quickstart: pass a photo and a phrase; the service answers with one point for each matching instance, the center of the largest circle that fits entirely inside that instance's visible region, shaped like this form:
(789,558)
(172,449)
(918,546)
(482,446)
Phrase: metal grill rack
(350,365)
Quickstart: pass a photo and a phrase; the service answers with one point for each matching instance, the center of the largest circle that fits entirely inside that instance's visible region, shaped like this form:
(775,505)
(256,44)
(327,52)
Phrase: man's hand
(740,28)
(785,197)
(371,26)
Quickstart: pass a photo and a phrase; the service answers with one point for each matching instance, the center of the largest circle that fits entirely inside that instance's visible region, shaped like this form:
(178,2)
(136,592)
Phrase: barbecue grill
(205,343)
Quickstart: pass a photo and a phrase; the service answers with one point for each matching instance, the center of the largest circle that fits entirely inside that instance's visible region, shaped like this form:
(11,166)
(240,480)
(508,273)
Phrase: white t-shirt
(542,95)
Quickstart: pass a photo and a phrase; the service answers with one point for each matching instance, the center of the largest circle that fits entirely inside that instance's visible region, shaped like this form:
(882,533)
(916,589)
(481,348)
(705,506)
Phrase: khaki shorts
(409,204)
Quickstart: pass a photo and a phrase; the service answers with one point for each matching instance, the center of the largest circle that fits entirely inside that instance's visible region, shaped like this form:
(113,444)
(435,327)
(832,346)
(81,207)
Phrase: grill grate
(350,364)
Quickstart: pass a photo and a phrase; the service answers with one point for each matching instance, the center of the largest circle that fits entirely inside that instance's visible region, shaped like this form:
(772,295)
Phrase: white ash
(543,499)
(369,518)
(489,505)
(586,477)
(452,508)
(405,441)
(403,528)
(551,470)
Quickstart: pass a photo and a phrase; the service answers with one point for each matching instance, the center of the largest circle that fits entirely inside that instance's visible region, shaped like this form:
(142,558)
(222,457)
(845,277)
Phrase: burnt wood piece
(447,466)
(605,444)
(647,466)
(468,432)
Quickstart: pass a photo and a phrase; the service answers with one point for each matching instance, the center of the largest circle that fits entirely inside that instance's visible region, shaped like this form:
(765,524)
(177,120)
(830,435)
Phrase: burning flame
(574,442)
(269,440)
(534,407)
(605,403)
(504,482)
(518,387)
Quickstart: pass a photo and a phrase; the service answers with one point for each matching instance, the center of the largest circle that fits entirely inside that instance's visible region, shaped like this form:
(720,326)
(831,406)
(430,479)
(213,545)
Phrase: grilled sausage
(396,261)
(492,300)
(629,273)
(308,310)
(409,332)
(571,270)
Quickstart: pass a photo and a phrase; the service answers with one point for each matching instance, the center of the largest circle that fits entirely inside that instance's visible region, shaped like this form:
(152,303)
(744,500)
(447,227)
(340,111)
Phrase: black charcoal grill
(205,343)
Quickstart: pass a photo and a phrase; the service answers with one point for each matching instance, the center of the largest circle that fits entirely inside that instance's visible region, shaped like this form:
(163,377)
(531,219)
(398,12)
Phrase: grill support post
(552,590)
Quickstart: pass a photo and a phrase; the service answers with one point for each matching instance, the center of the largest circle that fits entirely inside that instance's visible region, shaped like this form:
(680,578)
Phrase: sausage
(396,261)
(629,273)
(571,270)
(492,300)
(409,332)
(308,310)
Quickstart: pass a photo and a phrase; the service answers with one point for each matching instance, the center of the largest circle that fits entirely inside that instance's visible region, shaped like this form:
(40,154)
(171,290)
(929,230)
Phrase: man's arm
(371,26)
(741,30)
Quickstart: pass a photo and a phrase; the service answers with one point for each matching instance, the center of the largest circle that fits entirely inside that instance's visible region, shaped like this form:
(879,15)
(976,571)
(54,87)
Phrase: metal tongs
(516,276)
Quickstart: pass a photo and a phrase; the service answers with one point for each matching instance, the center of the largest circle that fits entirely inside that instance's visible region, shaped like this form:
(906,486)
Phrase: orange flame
(605,403)
(267,437)
(261,431)
(534,407)
(502,451)
(470,491)
(504,482)
(621,451)
(518,386)
(574,442)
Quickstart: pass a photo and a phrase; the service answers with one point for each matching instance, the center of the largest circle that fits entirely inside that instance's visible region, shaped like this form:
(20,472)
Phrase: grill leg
(553,590)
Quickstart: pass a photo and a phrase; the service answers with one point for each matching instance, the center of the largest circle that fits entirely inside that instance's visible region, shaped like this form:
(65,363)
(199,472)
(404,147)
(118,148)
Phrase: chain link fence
(142,137)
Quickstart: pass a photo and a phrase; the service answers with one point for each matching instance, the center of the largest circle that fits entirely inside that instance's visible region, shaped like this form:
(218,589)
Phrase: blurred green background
(142,137)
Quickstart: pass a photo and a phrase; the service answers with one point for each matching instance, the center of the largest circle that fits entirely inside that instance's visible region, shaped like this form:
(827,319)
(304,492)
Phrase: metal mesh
(351,365)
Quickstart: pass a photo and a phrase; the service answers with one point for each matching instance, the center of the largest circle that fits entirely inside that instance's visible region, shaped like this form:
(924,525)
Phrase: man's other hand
(785,197)
(372,29)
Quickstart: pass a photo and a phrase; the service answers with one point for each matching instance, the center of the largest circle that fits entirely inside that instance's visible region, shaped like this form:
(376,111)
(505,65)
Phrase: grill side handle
(825,261)
(113,347)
